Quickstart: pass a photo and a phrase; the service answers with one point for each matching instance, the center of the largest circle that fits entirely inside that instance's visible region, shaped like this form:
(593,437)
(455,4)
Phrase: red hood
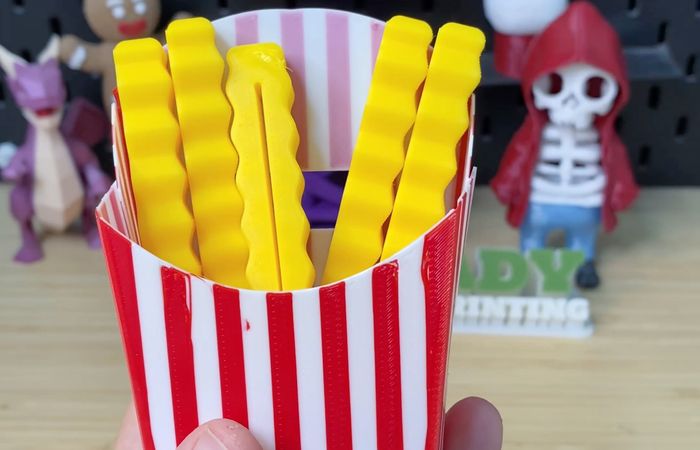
(580,35)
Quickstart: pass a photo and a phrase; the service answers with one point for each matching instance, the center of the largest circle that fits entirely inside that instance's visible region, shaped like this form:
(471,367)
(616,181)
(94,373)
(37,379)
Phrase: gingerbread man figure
(112,21)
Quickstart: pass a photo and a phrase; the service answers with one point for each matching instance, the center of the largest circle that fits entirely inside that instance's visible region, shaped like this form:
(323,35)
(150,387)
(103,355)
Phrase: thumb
(220,434)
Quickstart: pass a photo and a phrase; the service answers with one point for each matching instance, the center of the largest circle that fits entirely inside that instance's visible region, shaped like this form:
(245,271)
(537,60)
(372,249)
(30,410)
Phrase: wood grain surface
(634,385)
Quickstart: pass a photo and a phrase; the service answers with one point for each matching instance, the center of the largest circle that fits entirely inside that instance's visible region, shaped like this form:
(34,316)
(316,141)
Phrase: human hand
(471,424)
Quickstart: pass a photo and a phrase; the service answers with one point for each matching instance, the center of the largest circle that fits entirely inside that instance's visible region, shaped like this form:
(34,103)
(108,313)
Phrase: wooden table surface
(634,385)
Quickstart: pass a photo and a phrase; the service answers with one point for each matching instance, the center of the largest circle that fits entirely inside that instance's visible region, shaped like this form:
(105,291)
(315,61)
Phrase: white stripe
(111,219)
(120,211)
(149,293)
(256,358)
(316,72)
(205,351)
(113,122)
(414,403)
(269,26)
(361,73)
(360,323)
(225,34)
(309,359)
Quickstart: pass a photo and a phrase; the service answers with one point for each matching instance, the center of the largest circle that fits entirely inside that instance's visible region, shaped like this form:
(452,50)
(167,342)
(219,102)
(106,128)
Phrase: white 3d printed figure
(568,170)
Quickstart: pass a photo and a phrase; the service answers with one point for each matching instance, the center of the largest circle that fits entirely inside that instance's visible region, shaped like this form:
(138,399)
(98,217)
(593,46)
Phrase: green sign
(508,272)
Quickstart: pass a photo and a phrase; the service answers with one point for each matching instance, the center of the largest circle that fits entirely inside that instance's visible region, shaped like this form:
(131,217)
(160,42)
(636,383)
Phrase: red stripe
(338,55)
(293,42)
(246,28)
(387,356)
(229,334)
(336,376)
(117,252)
(439,278)
(178,321)
(285,401)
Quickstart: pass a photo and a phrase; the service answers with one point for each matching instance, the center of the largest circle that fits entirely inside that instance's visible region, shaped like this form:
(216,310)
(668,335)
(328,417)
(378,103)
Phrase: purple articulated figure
(57,177)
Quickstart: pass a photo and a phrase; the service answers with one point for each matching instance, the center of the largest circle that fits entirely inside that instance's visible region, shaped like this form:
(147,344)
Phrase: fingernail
(226,435)
(208,441)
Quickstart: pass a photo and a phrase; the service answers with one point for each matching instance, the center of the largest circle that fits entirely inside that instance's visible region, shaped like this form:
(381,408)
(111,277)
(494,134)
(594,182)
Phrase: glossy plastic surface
(158,177)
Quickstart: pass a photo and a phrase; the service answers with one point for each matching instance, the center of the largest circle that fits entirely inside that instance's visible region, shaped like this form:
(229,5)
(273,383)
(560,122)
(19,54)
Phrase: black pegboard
(661,125)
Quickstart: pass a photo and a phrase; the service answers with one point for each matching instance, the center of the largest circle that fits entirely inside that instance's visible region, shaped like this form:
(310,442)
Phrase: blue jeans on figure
(580,226)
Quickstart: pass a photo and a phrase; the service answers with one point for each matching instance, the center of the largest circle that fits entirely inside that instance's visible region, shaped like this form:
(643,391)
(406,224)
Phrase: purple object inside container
(322,195)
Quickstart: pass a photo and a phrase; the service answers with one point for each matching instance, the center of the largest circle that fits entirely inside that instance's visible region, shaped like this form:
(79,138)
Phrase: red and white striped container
(360,364)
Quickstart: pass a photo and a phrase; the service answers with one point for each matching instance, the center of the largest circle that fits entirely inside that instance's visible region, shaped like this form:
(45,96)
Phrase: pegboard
(661,125)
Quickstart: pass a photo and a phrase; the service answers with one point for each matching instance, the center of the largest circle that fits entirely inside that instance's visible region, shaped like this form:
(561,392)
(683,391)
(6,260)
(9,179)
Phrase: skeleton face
(574,95)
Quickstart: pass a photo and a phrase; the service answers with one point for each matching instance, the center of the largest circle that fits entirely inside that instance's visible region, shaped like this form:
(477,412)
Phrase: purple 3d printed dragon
(57,177)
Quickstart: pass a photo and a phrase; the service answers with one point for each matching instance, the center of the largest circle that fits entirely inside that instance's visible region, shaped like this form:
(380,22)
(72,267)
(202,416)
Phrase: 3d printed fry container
(359,364)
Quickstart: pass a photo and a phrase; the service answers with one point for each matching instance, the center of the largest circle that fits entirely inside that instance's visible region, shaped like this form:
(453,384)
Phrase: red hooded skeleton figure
(577,60)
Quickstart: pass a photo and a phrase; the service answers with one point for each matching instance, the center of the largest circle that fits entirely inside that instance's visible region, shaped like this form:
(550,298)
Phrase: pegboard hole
(654,99)
(690,66)
(26,54)
(18,6)
(633,7)
(427,5)
(619,123)
(485,131)
(681,127)
(291,3)
(662,32)
(359,4)
(643,157)
(55,26)
(2,96)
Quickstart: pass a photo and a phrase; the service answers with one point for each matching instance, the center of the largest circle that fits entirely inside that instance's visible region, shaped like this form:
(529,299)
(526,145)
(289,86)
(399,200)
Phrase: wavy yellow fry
(390,111)
(158,176)
(442,120)
(197,70)
(269,177)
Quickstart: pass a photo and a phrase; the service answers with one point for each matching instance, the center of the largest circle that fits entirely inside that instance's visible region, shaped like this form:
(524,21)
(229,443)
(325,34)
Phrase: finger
(220,434)
(473,424)
(129,437)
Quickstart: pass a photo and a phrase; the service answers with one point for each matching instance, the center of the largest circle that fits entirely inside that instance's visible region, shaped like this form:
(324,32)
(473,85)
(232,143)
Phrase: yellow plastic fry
(197,70)
(442,120)
(269,178)
(401,67)
(158,176)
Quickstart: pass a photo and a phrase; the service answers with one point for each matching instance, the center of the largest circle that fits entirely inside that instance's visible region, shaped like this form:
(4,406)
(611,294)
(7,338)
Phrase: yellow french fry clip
(442,120)
(269,177)
(197,70)
(401,66)
(152,133)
